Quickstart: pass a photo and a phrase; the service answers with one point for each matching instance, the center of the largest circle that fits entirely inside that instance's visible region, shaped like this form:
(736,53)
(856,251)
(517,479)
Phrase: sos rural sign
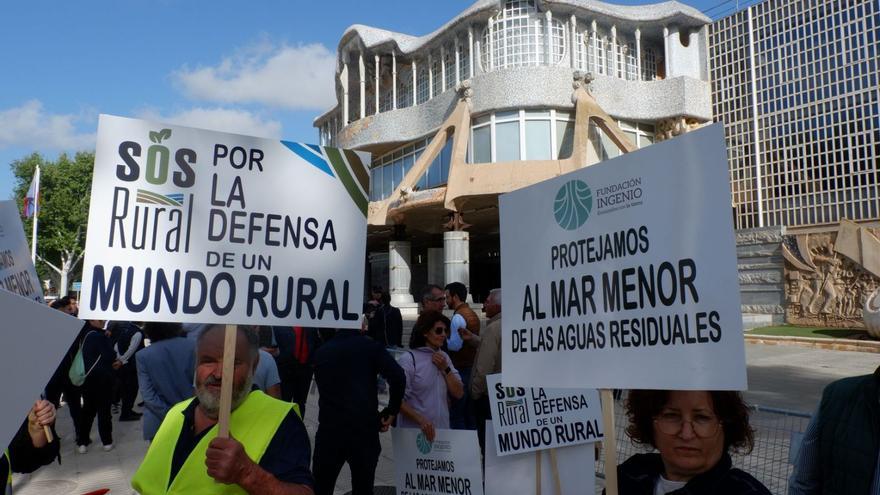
(198,226)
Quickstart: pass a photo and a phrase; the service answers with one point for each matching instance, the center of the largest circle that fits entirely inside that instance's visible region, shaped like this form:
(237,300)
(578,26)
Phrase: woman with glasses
(430,377)
(694,433)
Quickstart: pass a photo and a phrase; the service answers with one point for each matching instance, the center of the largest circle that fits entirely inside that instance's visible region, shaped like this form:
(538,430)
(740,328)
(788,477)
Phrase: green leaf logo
(158,137)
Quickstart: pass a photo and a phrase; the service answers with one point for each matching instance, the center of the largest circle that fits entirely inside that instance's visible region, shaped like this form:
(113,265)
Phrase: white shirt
(663,486)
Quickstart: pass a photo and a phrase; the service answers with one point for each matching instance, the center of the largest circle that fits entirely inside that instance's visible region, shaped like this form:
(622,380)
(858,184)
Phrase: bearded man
(267,451)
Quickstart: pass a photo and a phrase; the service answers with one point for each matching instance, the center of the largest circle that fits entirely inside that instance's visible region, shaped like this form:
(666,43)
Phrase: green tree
(65,186)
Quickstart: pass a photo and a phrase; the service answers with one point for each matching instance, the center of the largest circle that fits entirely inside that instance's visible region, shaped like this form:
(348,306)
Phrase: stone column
(470,51)
(457,61)
(394,80)
(430,76)
(614,55)
(548,35)
(443,67)
(378,81)
(638,54)
(415,89)
(343,76)
(575,48)
(489,46)
(362,75)
(399,276)
(666,58)
(456,257)
(594,42)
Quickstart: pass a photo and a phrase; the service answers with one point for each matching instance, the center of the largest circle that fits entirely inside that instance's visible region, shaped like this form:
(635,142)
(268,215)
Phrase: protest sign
(198,226)
(519,473)
(448,465)
(33,340)
(530,419)
(17,273)
(623,274)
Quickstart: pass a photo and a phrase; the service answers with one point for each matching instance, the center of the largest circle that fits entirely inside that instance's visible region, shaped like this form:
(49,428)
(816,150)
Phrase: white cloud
(219,119)
(294,77)
(29,125)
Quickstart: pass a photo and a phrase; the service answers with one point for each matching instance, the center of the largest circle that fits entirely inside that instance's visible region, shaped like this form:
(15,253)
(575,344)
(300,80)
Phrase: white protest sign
(623,274)
(17,273)
(33,340)
(198,226)
(517,473)
(448,465)
(530,419)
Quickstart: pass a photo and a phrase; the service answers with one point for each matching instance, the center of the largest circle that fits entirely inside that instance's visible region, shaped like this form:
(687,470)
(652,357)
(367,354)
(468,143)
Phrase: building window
(389,169)
(514,135)
(437,74)
(464,60)
(422,76)
(449,58)
(649,64)
(517,38)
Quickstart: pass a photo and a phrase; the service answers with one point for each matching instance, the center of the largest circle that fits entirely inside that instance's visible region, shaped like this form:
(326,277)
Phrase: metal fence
(777,437)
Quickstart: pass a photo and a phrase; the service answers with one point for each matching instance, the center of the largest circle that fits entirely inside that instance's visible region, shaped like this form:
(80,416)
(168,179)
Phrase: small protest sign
(33,340)
(519,473)
(626,276)
(198,226)
(449,464)
(531,419)
(17,273)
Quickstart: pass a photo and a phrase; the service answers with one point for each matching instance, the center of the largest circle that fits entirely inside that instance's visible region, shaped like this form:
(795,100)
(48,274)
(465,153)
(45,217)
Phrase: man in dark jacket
(841,446)
(127,339)
(97,391)
(349,420)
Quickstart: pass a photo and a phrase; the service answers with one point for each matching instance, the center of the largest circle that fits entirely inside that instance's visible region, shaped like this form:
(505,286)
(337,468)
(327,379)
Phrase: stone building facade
(506,94)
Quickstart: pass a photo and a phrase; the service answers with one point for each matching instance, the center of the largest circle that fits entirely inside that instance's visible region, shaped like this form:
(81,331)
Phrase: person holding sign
(267,451)
(430,376)
(693,431)
(30,449)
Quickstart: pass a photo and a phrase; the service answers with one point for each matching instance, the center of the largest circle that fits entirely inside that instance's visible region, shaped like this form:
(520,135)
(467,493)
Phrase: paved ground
(779,376)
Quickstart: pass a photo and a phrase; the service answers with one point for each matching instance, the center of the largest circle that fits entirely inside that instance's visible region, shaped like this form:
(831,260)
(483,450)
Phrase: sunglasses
(439,331)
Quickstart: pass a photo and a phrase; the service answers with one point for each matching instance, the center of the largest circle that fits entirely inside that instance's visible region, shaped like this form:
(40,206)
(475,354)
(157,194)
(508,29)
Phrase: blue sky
(262,67)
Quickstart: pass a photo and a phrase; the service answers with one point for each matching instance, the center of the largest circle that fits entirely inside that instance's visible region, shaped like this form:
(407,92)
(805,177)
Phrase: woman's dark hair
(642,406)
(423,325)
(160,330)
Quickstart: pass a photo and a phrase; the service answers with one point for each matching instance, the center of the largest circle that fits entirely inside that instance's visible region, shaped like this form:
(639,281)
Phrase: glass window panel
(434,172)
(538,144)
(611,149)
(375,184)
(632,137)
(484,119)
(397,168)
(408,161)
(564,139)
(507,141)
(510,114)
(445,158)
(387,181)
(537,113)
(482,144)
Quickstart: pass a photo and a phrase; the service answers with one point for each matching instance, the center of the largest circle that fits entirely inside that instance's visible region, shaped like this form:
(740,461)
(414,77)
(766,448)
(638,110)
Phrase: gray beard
(210,402)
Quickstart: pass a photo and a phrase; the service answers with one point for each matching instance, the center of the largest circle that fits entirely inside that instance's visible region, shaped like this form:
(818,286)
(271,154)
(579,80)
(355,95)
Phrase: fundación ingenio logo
(573,204)
(423,444)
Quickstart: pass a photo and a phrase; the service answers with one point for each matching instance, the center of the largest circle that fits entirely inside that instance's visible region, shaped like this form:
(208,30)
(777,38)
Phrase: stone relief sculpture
(830,277)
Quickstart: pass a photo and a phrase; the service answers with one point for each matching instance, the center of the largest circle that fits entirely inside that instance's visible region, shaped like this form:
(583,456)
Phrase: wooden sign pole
(538,472)
(226,383)
(610,442)
(554,467)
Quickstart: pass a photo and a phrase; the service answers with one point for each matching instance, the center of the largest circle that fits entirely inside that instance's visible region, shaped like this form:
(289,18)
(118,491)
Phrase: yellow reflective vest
(253,423)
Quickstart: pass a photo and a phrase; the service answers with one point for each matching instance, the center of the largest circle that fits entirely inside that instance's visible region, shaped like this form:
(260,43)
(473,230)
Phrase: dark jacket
(637,475)
(849,434)
(285,338)
(345,372)
(386,326)
(98,357)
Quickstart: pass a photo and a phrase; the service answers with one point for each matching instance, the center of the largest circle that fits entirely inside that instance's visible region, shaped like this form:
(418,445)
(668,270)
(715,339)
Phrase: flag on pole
(31,199)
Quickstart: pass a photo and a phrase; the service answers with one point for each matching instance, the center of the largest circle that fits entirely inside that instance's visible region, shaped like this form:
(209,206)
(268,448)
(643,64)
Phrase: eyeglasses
(703,425)
(439,331)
